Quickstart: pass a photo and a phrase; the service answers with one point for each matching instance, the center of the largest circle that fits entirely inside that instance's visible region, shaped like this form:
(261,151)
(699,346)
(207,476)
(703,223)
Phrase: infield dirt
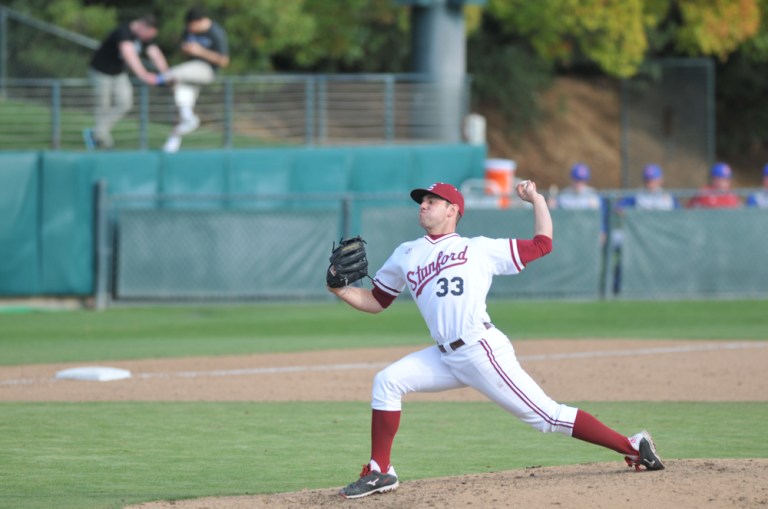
(568,370)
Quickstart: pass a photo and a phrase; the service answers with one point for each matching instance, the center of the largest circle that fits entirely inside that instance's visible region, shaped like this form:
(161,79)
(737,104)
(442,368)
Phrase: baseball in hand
(526,189)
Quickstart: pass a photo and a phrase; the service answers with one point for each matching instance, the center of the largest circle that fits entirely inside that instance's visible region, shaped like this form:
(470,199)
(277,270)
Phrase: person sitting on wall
(205,43)
(759,199)
(718,193)
(651,197)
(579,195)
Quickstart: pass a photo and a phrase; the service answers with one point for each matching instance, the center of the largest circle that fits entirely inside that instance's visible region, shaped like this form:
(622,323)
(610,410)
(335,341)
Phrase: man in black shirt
(205,42)
(113,93)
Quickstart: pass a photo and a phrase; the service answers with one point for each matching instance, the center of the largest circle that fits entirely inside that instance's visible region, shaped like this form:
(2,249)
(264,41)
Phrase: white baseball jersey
(654,200)
(759,199)
(449,278)
(571,198)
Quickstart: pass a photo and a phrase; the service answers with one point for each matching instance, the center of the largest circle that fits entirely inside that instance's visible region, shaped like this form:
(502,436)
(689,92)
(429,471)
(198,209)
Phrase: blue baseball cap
(765,170)
(721,170)
(652,172)
(580,171)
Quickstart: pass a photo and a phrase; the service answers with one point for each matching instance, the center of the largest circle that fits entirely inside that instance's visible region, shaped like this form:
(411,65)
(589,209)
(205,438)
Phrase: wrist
(339,292)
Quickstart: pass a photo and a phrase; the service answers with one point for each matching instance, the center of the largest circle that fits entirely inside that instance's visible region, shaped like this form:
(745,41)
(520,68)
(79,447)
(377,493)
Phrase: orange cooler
(501,171)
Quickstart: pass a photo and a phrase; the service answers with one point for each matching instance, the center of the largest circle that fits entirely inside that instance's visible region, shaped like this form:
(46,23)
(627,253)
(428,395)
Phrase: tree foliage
(257,30)
(359,35)
(756,48)
(717,27)
(92,21)
(614,34)
(611,34)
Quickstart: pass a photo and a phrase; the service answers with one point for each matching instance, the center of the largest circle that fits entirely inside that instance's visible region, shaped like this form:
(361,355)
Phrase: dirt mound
(684,484)
(581,123)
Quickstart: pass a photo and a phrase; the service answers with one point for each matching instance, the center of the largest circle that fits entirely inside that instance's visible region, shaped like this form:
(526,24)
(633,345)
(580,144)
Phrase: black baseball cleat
(370,482)
(646,448)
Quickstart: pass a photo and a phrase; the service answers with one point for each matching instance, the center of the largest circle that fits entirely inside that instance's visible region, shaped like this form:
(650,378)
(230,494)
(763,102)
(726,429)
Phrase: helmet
(721,170)
(580,171)
(652,172)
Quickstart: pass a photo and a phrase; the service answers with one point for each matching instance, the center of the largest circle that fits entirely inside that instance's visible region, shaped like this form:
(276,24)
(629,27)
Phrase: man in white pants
(205,42)
(448,277)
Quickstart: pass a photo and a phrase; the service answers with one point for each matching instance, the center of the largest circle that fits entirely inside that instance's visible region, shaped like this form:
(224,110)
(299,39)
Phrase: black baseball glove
(348,263)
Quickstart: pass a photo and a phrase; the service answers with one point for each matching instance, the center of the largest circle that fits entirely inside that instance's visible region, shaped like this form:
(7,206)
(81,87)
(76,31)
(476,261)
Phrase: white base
(94,374)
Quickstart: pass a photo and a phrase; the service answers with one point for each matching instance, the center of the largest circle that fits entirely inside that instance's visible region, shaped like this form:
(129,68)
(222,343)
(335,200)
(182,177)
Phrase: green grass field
(33,130)
(137,333)
(106,455)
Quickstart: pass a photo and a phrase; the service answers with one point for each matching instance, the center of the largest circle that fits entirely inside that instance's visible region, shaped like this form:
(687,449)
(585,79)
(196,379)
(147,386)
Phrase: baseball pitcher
(448,277)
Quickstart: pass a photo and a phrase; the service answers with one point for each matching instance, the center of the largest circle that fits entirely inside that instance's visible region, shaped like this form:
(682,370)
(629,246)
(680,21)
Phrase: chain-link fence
(668,118)
(684,244)
(277,247)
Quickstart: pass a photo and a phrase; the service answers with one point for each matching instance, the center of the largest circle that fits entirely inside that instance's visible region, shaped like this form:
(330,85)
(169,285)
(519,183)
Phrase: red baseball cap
(445,191)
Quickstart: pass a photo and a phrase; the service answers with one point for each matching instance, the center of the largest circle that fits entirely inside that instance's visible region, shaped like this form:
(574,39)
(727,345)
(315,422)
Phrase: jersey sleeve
(384,299)
(530,250)
(503,254)
(510,256)
(389,281)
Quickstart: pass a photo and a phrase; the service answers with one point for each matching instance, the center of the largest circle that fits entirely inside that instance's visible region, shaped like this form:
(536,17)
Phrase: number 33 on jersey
(449,277)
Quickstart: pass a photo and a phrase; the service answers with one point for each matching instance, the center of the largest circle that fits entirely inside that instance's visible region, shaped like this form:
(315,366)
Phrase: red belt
(455,345)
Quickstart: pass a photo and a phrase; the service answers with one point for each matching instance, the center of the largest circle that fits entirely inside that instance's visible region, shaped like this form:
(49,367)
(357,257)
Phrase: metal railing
(236,111)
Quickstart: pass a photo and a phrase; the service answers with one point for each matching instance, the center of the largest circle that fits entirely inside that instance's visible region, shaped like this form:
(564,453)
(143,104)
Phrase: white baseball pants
(489,366)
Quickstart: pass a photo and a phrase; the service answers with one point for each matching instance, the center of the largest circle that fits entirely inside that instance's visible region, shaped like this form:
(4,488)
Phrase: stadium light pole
(439,52)
(3,49)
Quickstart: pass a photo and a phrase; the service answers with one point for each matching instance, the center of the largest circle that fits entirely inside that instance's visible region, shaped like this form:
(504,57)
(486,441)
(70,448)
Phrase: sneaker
(647,457)
(90,139)
(371,481)
(187,125)
(172,144)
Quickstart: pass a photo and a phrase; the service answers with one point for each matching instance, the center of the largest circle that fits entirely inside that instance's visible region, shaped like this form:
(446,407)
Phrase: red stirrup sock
(384,426)
(588,428)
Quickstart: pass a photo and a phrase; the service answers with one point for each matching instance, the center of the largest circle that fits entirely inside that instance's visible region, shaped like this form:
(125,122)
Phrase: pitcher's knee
(387,392)
(559,420)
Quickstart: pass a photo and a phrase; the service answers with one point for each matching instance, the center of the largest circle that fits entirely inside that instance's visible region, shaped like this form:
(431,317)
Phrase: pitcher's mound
(685,484)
